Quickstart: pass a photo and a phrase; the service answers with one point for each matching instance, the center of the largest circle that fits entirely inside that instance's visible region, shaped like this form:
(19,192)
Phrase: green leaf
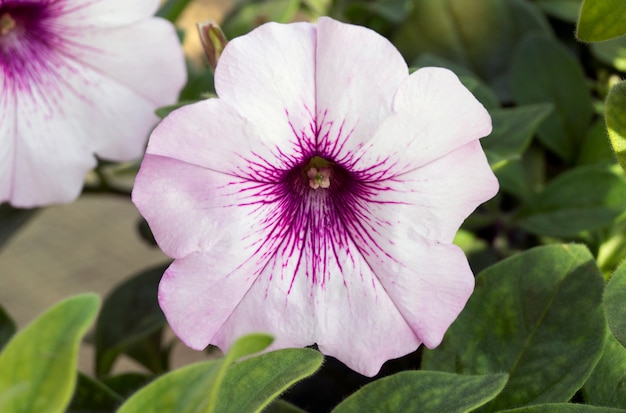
(595,147)
(611,52)
(581,199)
(601,20)
(563,408)
(38,366)
(93,396)
(11,220)
(281,406)
(607,384)
(252,384)
(172,9)
(7,327)
(191,389)
(544,71)
(566,10)
(249,14)
(614,301)
(616,120)
(480,34)
(513,130)
(163,111)
(521,320)
(424,392)
(131,319)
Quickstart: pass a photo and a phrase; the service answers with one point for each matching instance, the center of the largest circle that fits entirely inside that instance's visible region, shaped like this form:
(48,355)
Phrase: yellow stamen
(7,23)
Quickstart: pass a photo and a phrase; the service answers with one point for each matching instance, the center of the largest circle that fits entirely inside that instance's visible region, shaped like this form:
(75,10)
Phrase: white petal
(434,115)
(434,199)
(103,13)
(145,57)
(357,72)
(268,76)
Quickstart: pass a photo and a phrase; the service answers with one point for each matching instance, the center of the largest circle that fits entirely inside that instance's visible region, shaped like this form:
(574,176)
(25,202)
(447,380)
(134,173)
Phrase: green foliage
(563,408)
(566,10)
(481,35)
(172,9)
(611,52)
(11,220)
(520,319)
(543,71)
(38,365)
(616,120)
(216,386)
(424,391)
(131,322)
(606,385)
(614,302)
(601,20)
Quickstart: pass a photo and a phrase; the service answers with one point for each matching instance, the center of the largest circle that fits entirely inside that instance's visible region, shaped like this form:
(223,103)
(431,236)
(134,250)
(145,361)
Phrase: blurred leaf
(251,14)
(480,34)
(513,130)
(581,199)
(566,10)
(11,220)
(611,52)
(319,7)
(563,408)
(38,366)
(523,178)
(163,111)
(521,320)
(131,316)
(252,384)
(126,384)
(190,389)
(615,302)
(543,71)
(172,9)
(394,11)
(424,392)
(92,396)
(616,120)
(200,83)
(601,20)
(7,327)
(607,384)
(595,147)
(613,250)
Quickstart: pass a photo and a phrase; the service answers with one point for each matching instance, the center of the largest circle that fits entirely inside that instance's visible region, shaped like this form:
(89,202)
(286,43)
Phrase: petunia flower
(78,78)
(317,198)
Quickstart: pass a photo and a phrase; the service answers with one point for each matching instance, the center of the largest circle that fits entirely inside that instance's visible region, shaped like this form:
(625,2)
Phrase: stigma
(7,23)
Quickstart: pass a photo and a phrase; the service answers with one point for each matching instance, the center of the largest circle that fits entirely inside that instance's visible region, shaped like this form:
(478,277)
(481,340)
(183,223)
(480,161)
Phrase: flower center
(318,173)
(7,23)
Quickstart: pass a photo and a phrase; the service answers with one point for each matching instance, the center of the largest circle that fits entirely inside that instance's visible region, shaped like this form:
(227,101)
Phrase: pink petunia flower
(78,78)
(317,198)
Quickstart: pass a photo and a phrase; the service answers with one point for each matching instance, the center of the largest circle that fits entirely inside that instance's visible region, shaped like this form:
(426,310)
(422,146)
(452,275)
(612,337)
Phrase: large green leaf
(252,384)
(544,71)
(601,20)
(616,120)
(38,366)
(595,147)
(192,389)
(92,396)
(563,408)
(172,9)
(131,321)
(607,384)
(424,392)
(582,199)
(479,34)
(521,320)
(615,302)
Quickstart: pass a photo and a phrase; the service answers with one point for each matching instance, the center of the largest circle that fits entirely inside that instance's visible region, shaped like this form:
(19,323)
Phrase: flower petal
(199,292)
(8,125)
(103,13)
(145,57)
(354,85)
(268,76)
(434,199)
(349,316)
(434,115)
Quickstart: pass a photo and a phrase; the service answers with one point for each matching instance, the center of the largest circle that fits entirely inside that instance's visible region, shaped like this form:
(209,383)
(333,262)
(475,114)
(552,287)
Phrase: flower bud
(213,41)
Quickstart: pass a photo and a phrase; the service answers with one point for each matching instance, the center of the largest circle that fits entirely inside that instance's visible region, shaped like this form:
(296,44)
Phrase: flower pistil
(318,173)
(7,23)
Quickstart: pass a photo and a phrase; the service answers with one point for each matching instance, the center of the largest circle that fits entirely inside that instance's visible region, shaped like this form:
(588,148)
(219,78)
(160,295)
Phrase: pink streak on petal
(354,85)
